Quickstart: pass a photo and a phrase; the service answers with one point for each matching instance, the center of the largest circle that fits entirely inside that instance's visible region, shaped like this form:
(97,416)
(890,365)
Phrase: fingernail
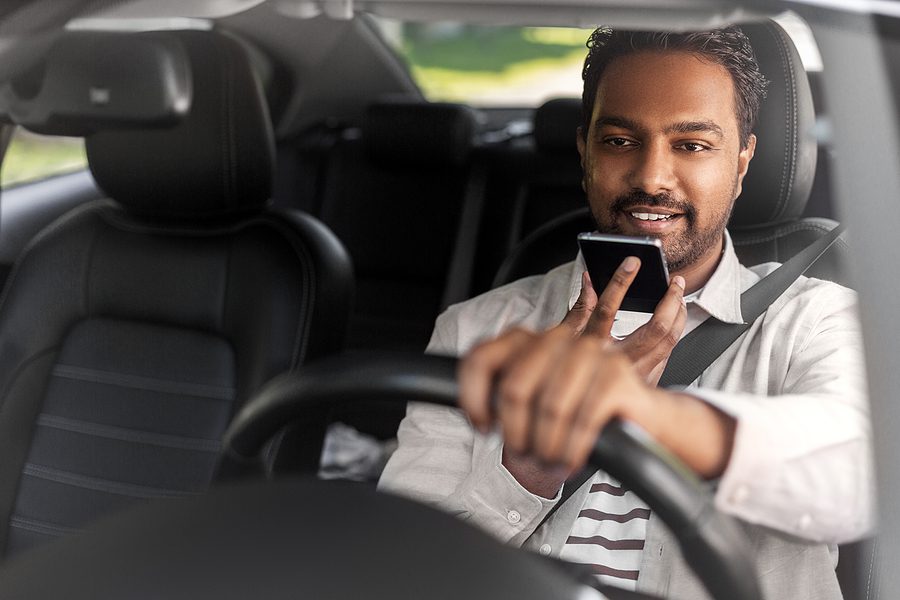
(679,281)
(630,264)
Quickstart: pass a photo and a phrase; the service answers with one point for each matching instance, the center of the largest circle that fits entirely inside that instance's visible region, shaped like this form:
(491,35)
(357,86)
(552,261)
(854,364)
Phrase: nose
(653,170)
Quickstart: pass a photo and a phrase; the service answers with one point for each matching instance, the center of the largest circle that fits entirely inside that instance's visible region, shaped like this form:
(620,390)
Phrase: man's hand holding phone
(651,344)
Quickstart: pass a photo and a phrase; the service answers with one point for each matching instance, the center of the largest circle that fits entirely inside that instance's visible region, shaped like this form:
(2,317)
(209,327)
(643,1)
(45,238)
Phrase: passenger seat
(133,328)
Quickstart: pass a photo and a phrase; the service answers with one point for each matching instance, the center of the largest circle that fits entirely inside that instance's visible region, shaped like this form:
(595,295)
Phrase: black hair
(728,47)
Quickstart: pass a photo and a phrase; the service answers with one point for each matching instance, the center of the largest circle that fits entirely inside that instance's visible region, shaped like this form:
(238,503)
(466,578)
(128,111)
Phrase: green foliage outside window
(31,157)
(512,66)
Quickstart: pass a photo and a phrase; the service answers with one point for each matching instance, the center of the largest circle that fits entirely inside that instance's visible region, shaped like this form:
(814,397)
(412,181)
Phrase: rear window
(490,66)
(31,157)
(514,66)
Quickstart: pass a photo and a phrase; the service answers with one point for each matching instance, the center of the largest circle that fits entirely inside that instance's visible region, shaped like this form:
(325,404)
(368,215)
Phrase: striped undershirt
(609,533)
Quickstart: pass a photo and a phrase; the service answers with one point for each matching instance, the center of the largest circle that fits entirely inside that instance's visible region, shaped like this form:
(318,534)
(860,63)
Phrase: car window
(489,66)
(514,66)
(31,157)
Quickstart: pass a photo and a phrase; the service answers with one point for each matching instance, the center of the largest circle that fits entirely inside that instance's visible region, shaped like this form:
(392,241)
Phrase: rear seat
(395,190)
(393,193)
(530,181)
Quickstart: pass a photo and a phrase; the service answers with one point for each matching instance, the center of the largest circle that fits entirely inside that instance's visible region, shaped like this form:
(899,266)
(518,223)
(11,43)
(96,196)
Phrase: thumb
(577,317)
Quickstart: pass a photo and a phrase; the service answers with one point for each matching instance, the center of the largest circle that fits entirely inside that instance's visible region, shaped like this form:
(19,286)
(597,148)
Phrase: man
(778,423)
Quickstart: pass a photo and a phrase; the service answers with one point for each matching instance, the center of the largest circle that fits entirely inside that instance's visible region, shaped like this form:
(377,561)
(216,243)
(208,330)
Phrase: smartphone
(603,253)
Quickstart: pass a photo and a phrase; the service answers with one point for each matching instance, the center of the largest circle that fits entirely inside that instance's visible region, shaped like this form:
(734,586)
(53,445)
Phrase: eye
(693,147)
(619,142)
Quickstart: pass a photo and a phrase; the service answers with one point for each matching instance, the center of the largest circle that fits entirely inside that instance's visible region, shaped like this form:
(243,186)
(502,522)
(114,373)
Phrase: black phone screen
(604,253)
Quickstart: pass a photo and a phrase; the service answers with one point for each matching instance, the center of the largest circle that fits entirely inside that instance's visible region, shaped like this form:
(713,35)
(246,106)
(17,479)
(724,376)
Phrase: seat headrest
(555,125)
(777,186)
(412,132)
(216,161)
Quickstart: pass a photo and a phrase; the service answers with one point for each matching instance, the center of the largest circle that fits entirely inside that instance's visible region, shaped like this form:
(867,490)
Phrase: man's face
(662,157)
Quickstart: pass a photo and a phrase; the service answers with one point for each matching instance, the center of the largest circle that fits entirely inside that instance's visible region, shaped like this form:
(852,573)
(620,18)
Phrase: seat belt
(702,346)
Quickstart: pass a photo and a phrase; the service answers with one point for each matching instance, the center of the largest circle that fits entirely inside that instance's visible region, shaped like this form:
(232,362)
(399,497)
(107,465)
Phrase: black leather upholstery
(777,186)
(766,225)
(400,133)
(131,331)
(218,161)
(555,124)
(394,194)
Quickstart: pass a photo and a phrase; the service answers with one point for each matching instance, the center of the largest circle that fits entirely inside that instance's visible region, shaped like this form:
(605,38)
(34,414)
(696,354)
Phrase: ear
(580,144)
(744,158)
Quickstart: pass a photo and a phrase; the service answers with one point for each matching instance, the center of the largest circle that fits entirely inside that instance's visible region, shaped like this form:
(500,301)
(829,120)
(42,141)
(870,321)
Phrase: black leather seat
(394,194)
(133,329)
(766,224)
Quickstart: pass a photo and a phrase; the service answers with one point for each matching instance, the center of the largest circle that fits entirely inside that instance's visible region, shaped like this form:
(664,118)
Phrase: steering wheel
(289,539)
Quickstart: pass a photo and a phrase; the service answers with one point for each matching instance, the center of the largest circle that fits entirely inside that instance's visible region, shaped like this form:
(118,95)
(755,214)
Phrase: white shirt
(801,463)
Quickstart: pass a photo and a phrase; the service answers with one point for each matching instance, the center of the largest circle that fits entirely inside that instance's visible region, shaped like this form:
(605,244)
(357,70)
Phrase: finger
(660,339)
(602,406)
(659,328)
(584,437)
(562,396)
(477,371)
(601,320)
(655,361)
(578,315)
(522,381)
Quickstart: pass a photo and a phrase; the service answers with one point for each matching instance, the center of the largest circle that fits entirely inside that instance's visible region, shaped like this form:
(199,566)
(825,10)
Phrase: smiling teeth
(650,216)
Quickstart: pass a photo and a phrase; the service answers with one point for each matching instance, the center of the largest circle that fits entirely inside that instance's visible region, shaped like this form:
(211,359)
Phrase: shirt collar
(720,297)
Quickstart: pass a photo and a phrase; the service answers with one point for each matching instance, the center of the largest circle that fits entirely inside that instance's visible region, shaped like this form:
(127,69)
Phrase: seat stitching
(42,527)
(741,239)
(139,382)
(98,484)
(789,124)
(129,435)
(871,570)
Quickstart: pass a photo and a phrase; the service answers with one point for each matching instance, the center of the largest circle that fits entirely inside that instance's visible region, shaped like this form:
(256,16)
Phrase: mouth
(650,220)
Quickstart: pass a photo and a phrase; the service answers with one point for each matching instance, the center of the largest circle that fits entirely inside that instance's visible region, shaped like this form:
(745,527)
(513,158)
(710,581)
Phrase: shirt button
(740,494)
(513,516)
(545,549)
(805,522)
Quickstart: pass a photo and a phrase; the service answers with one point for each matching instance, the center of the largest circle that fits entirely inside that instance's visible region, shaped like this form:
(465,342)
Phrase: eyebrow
(620,122)
(695,127)
(680,127)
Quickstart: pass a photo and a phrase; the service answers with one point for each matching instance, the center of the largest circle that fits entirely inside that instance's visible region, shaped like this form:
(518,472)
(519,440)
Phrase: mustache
(664,200)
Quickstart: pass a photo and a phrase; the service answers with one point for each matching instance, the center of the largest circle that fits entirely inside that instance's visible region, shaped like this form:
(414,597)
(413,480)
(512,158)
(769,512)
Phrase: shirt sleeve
(801,461)
(442,461)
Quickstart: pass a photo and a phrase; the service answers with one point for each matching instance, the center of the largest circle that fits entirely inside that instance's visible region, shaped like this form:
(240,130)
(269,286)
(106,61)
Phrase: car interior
(265,192)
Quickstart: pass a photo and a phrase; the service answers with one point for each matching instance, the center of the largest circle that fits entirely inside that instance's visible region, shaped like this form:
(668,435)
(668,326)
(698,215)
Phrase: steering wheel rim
(712,543)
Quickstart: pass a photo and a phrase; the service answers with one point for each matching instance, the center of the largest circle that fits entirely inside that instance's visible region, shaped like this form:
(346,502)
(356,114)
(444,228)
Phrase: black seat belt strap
(702,346)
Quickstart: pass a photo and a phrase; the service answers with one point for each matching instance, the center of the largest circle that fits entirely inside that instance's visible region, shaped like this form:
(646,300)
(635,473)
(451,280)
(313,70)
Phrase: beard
(683,247)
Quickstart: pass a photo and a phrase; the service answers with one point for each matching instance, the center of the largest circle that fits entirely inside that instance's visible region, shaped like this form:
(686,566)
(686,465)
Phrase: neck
(698,273)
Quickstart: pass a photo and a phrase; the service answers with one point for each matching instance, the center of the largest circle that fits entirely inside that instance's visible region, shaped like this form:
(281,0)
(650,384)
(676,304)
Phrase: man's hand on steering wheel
(555,391)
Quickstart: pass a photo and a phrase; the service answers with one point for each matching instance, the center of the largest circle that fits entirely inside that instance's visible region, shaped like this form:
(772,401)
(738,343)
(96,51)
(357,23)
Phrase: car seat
(133,328)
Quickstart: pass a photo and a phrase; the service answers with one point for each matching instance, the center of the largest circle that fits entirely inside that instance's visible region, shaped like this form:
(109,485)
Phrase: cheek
(711,184)
(604,178)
